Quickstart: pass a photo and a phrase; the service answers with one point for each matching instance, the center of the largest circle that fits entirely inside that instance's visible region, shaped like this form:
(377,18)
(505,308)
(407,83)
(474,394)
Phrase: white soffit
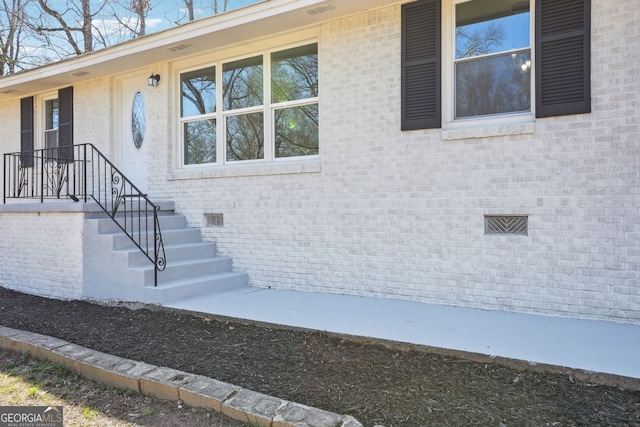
(226,29)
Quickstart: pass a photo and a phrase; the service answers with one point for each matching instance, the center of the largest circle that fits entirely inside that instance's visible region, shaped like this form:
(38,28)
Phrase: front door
(134,129)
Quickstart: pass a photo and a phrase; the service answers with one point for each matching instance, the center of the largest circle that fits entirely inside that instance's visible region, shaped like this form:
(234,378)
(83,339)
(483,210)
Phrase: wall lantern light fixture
(153,80)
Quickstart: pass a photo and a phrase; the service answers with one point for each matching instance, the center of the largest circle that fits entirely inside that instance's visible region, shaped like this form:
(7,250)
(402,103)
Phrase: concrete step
(169,237)
(121,271)
(175,253)
(167,222)
(183,269)
(177,290)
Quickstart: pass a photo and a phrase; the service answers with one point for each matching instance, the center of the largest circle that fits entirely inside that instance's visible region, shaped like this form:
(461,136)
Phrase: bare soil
(390,385)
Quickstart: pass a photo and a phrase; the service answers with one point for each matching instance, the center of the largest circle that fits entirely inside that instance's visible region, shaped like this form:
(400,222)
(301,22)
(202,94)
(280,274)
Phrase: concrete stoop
(170,384)
(115,269)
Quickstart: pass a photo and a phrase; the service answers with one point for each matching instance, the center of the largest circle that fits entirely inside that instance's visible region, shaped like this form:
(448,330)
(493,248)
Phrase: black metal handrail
(82,172)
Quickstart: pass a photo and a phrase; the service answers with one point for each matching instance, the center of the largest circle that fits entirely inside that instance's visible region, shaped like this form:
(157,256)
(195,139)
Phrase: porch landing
(597,346)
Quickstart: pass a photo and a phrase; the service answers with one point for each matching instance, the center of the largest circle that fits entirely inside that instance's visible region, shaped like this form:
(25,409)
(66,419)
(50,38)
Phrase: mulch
(390,385)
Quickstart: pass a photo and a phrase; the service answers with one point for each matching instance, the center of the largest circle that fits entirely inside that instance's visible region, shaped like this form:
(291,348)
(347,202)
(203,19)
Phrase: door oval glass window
(138,122)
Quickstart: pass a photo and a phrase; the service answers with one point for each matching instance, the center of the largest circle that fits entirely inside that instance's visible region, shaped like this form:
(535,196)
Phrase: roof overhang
(226,29)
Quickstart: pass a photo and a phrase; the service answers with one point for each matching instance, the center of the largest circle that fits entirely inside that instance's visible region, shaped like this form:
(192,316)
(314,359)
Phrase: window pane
(489,26)
(198,92)
(52,113)
(245,137)
(495,85)
(294,74)
(242,83)
(200,142)
(297,131)
(51,138)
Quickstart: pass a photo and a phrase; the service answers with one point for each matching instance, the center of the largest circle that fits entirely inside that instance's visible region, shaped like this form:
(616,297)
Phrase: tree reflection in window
(199,99)
(290,108)
(493,58)
(296,131)
(243,87)
(245,137)
(198,92)
(494,85)
(294,77)
(242,83)
(199,142)
(294,74)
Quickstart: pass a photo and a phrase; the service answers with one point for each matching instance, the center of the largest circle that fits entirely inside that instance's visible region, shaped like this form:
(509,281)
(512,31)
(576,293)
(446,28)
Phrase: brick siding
(42,253)
(401,214)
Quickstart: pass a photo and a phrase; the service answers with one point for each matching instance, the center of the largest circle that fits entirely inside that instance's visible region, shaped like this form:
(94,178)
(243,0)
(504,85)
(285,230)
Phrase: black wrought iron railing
(82,172)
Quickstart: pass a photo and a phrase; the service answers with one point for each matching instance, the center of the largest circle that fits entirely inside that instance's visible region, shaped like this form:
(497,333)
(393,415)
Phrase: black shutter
(65,125)
(563,57)
(26,132)
(421,105)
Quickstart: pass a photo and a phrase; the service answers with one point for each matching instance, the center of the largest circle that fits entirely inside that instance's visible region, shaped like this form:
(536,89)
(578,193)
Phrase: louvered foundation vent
(506,224)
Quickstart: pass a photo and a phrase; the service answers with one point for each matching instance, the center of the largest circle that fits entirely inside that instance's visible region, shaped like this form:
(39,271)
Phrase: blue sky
(515,32)
(162,15)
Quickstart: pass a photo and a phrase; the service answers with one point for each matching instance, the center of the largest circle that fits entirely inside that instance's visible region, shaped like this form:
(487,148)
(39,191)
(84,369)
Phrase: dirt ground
(378,384)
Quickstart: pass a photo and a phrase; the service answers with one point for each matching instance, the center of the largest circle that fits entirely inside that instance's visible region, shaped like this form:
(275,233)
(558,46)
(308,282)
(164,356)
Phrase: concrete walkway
(598,346)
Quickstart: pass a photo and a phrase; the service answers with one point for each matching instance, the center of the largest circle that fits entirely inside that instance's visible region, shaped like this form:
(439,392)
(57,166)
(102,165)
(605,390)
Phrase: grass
(90,413)
(25,381)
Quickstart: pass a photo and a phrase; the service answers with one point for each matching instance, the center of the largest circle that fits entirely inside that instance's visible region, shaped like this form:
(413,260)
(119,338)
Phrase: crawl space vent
(506,224)
(214,219)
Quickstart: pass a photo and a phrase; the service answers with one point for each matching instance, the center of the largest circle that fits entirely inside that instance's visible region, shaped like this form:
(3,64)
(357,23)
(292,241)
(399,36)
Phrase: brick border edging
(170,384)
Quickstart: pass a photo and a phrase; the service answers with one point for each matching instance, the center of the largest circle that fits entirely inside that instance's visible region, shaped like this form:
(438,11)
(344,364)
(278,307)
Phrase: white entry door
(134,132)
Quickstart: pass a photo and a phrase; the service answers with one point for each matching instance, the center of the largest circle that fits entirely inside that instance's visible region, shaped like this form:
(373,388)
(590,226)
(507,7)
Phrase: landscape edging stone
(171,384)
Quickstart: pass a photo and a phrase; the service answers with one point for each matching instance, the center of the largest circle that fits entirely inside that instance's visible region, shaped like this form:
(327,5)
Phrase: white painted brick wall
(10,124)
(400,214)
(92,106)
(41,253)
(396,214)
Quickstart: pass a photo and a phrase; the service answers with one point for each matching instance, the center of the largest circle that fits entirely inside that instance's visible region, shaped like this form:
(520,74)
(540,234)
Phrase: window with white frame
(243,109)
(492,58)
(475,59)
(198,112)
(294,95)
(51,123)
(259,108)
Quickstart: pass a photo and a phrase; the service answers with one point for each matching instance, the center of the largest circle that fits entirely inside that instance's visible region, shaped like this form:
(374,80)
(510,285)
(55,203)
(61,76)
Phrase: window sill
(252,169)
(479,130)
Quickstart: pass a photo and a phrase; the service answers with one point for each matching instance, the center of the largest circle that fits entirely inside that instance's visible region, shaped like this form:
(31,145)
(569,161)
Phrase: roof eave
(255,21)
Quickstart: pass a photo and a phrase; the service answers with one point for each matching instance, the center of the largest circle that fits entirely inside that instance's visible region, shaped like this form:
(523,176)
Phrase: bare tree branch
(12,21)
(64,27)
(36,32)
